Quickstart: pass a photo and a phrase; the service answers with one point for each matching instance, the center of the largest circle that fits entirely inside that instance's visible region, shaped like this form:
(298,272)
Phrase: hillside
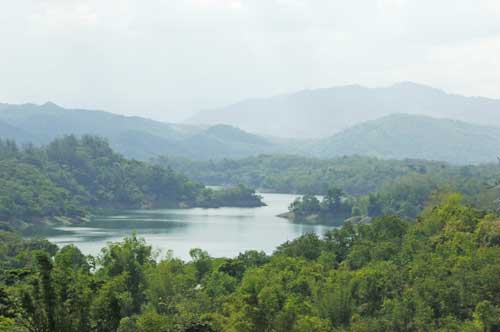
(439,273)
(73,177)
(13,133)
(324,112)
(356,175)
(395,136)
(135,137)
(402,136)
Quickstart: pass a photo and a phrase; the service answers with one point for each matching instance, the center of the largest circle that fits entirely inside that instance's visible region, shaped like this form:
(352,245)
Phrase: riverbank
(223,232)
(316,219)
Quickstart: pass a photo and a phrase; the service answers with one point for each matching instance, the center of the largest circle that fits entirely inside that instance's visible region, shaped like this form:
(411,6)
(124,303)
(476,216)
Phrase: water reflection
(222,232)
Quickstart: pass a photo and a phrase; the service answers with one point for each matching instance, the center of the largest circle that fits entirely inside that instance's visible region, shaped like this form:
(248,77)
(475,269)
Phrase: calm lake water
(222,232)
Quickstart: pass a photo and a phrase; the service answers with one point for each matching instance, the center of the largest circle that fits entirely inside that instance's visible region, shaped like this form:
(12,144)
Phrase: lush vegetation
(399,136)
(71,176)
(426,261)
(334,208)
(134,137)
(405,197)
(438,273)
(368,186)
(389,136)
(293,174)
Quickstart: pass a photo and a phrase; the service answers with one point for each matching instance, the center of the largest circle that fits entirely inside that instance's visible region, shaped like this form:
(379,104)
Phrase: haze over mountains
(400,136)
(324,112)
(135,137)
(373,120)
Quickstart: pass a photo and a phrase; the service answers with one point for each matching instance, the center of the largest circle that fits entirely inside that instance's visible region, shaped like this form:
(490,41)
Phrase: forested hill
(368,186)
(437,273)
(396,136)
(70,177)
(135,137)
(355,175)
(324,112)
(400,136)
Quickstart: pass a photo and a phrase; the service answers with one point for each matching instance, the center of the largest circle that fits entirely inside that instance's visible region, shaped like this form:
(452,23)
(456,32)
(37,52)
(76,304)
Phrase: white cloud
(231,4)
(164,58)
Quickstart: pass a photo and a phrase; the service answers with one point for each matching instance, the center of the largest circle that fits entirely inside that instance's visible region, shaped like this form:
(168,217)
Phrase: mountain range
(390,136)
(401,136)
(324,112)
(132,136)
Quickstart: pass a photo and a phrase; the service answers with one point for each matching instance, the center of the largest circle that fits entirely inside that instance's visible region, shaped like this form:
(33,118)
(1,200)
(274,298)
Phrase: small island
(334,209)
(236,196)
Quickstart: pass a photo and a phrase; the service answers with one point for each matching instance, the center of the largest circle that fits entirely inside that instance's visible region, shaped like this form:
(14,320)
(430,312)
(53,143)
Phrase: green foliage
(375,186)
(305,205)
(239,195)
(334,208)
(71,176)
(355,175)
(399,136)
(436,273)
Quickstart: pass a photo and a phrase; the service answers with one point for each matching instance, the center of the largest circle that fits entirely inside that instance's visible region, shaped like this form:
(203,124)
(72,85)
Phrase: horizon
(264,97)
(167,59)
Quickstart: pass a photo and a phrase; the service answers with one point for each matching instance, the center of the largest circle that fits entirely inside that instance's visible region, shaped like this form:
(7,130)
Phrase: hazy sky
(166,58)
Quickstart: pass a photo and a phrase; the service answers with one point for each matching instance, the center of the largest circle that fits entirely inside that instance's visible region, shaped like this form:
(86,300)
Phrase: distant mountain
(395,136)
(225,141)
(135,137)
(402,136)
(324,112)
(12,133)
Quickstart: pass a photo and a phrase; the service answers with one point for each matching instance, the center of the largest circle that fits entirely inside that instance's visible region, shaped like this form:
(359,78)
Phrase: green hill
(396,136)
(316,113)
(71,177)
(402,136)
(135,137)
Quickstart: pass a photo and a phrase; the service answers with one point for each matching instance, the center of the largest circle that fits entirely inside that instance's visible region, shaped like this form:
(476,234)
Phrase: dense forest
(405,197)
(356,175)
(399,136)
(439,272)
(363,186)
(236,166)
(72,176)
(334,208)
(420,250)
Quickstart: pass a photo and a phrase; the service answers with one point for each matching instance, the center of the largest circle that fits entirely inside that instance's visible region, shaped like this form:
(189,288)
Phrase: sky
(166,59)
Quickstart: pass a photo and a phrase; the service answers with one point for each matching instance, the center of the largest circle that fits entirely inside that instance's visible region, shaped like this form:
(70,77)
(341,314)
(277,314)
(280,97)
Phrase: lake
(223,232)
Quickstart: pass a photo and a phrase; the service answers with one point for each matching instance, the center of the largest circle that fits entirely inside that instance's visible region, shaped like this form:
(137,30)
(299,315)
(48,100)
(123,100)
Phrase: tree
(128,259)
(201,261)
(47,290)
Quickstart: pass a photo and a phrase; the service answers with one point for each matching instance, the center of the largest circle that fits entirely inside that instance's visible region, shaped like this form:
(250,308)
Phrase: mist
(168,59)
